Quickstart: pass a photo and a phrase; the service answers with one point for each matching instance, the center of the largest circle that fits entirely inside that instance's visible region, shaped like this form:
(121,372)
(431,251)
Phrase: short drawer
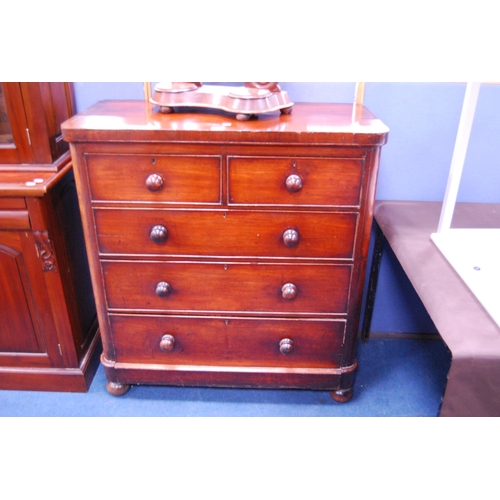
(233,287)
(228,341)
(155,178)
(325,182)
(12,203)
(14,219)
(232,233)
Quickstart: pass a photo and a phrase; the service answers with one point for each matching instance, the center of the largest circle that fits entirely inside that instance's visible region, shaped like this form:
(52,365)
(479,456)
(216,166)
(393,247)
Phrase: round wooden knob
(290,238)
(162,289)
(167,343)
(293,183)
(286,346)
(289,291)
(154,182)
(158,234)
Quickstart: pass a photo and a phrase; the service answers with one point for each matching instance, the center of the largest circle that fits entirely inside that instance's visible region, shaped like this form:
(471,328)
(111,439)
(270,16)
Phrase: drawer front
(12,203)
(14,219)
(160,178)
(219,287)
(232,233)
(295,181)
(228,341)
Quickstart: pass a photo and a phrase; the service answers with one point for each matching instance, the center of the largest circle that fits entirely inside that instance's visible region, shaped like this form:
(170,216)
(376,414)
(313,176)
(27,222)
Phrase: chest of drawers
(227,253)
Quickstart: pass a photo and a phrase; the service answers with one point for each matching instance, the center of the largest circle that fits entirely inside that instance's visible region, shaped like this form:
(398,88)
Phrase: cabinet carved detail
(45,251)
(49,337)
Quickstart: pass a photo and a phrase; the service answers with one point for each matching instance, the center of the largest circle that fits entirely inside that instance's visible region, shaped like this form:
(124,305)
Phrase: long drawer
(227,287)
(155,178)
(221,233)
(295,181)
(227,341)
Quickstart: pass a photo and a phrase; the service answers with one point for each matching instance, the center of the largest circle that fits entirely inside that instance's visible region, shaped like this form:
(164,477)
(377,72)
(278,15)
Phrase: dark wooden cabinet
(227,253)
(49,336)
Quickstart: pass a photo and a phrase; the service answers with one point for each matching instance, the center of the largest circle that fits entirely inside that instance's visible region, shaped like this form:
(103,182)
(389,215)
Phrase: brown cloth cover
(473,387)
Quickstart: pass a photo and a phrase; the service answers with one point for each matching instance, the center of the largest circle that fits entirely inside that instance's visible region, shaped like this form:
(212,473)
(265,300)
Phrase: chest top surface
(309,123)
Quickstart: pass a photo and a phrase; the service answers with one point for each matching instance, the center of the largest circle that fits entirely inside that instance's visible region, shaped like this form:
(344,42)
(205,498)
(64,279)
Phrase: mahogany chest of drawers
(227,253)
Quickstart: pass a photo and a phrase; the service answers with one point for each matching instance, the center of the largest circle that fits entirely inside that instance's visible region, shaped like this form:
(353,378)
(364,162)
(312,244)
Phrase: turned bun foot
(342,395)
(242,117)
(286,111)
(166,109)
(117,389)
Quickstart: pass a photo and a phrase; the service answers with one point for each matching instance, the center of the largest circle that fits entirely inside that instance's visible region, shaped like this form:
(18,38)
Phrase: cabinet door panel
(19,326)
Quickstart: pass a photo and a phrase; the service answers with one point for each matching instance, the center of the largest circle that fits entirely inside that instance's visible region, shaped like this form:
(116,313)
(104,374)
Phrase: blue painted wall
(423,121)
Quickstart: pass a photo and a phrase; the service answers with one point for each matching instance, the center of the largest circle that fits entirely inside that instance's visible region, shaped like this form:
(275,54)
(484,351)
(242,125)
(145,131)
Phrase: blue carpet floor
(394,378)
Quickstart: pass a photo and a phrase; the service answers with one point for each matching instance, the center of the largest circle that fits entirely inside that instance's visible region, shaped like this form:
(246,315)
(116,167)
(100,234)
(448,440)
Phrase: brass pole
(147,91)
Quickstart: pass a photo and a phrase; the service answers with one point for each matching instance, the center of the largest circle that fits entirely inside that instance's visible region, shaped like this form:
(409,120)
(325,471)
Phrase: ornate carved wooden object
(45,250)
(252,99)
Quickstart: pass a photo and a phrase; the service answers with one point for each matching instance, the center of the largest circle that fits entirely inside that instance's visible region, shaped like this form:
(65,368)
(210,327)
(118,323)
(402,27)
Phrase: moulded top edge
(309,123)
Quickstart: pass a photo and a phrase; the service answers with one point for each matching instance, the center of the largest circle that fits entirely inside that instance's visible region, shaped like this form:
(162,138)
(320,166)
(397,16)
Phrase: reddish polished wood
(158,234)
(227,341)
(131,231)
(36,111)
(253,98)
(163,289)
(291,238)
(117,388)
(310,124)
(184,178)
(260,230)
(342,395)
(12,203)
(48,326)
(286,346)
(289,291)
(154,182)
(14,219)
(167,343)
(295,181)
(236,286)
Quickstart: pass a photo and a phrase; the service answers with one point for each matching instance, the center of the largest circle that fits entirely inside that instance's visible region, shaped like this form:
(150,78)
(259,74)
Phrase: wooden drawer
(228,341)
(311,181)
(14,219)
(232,233)
(234,287)
(12,203)
(155,178)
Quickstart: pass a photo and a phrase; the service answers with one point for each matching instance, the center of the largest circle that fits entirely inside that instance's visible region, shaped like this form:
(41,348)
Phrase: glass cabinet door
(6,136)
(15,141)
(31,114)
